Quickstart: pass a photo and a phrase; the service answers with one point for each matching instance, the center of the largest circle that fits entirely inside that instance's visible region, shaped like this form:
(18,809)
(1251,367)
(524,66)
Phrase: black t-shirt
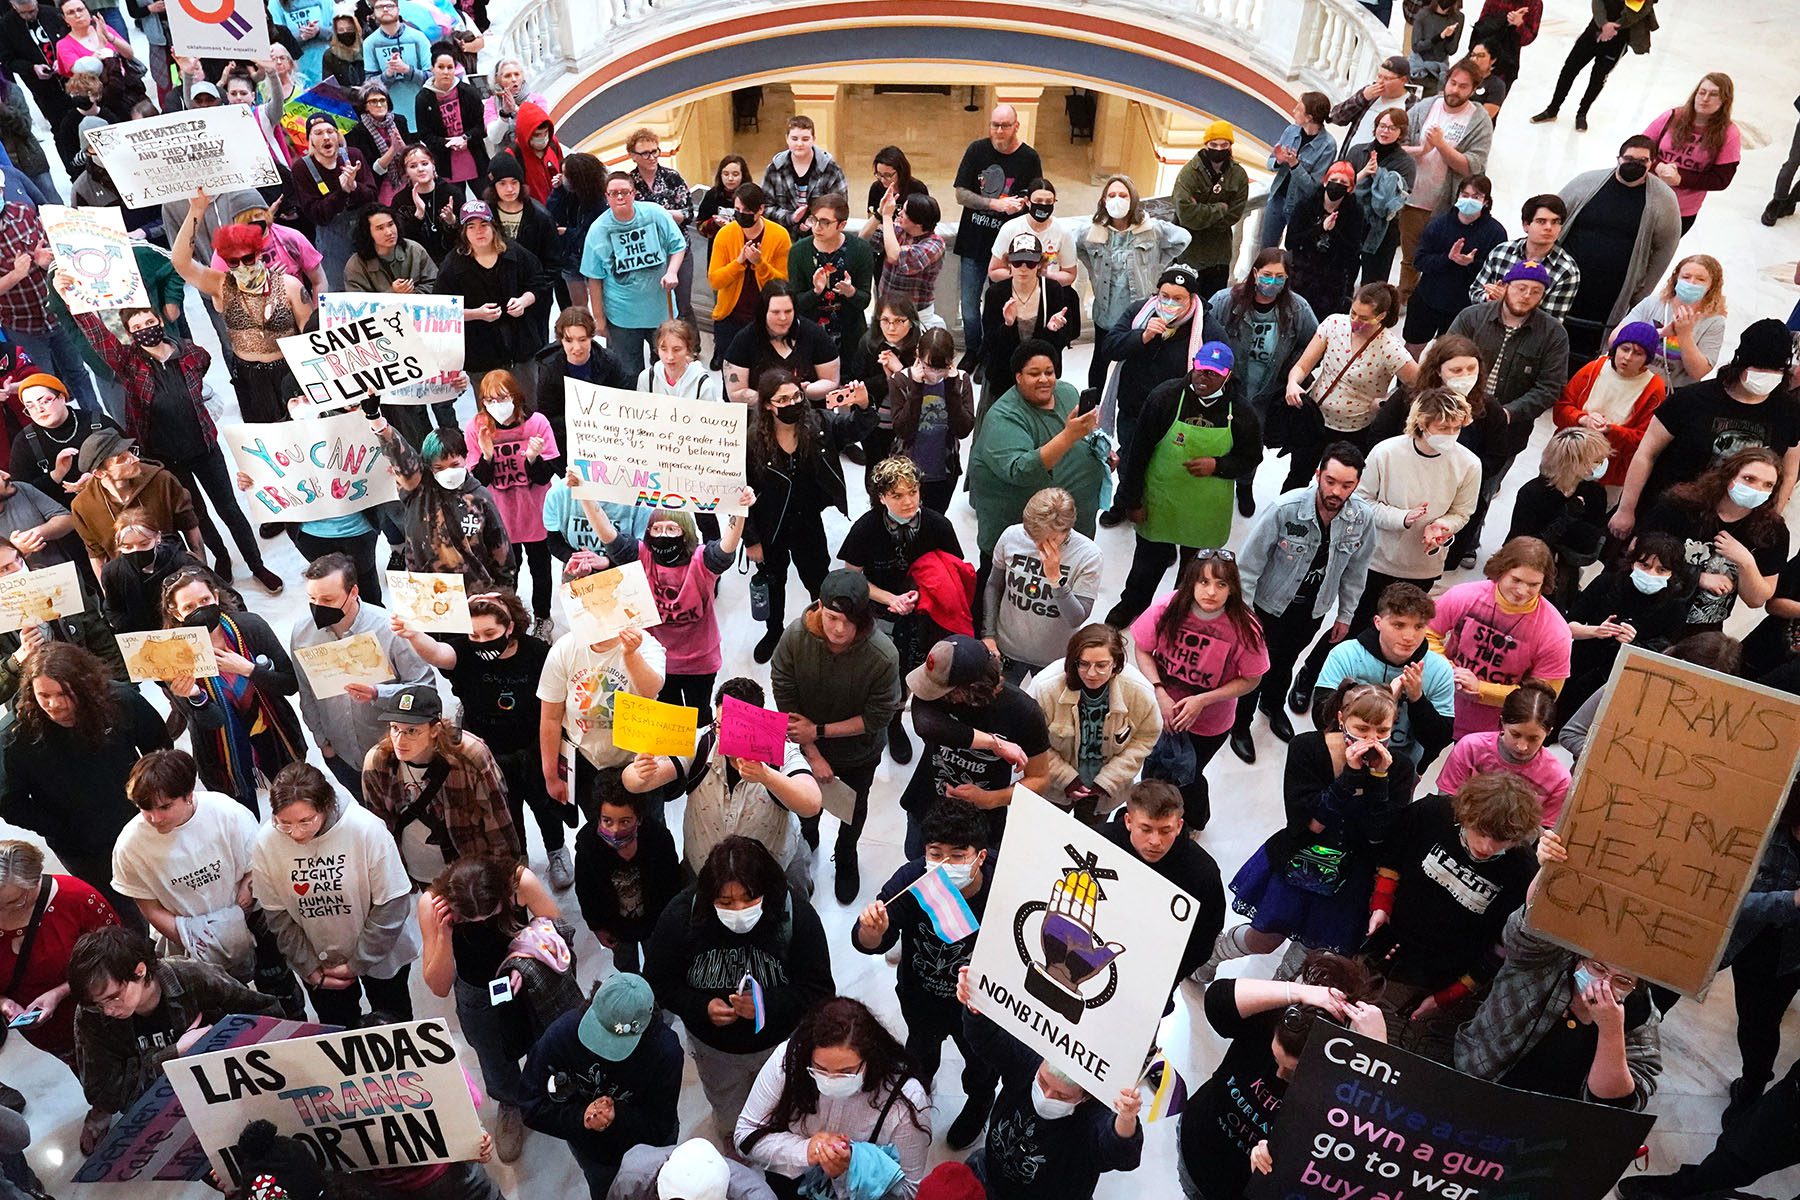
(34,450)
(877,190)
(1705,425)
(809,346)
(1602,240)
(1014,716)
(1558,1065)
(499,698)
(1491,90)
(1308,591)
(156,1028)
(871,546)
(1696,528)
(1237,1107)
(989,173)
(1776,640)
(929,965)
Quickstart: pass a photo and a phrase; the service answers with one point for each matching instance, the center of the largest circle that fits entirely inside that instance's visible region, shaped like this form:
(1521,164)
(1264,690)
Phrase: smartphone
(499,991)
(30,1016)
(1090,400)
(480,84)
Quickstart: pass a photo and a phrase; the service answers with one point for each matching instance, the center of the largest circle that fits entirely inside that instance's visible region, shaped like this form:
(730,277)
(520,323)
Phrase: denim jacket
(1280,547)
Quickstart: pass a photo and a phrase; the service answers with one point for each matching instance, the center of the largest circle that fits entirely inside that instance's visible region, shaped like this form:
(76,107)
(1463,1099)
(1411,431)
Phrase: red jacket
(539,171)
(946,586)
(137,374)
(1625,436)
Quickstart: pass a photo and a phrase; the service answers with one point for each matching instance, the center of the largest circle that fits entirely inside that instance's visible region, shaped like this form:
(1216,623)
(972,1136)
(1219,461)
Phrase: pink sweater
(1479,754)
(1503,649)
(1200,656)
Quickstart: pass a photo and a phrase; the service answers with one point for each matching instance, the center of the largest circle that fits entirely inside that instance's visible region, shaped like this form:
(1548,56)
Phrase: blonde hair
(892,474)
(1711,304)
(21,864)
(1435,406)
(1570,455)
(1051,510)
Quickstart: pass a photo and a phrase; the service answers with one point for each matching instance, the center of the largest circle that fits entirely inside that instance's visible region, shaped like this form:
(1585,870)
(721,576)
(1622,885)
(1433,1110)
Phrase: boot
(969,1122)
(899,745)
(1230,945)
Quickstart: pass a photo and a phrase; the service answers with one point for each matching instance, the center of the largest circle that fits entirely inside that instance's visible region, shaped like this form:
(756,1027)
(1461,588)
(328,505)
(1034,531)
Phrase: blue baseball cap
(1213,356)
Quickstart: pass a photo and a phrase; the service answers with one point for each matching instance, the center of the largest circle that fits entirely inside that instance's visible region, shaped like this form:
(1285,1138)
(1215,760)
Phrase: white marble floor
(1700,1056)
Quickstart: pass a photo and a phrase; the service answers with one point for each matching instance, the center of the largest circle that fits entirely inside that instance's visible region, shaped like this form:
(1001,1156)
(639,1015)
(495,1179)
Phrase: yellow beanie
(1220,129)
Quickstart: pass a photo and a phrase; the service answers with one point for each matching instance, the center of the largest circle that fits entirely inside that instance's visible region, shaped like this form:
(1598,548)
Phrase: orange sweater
(1572,404)
(726,273)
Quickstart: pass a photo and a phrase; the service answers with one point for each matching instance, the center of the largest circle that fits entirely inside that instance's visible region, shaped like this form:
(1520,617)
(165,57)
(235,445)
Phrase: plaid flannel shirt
(914,274)
(1565,276)
(136,370)
(471,804)
(26,306)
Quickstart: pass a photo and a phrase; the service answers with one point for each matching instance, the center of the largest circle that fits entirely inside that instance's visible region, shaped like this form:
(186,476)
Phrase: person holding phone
(42,916)
(397,54)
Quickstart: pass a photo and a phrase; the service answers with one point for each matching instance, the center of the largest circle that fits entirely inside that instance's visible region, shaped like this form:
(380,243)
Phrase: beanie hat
(281,1166)
(1638,333)
(1528,270)
(951,1181)
(1766,346)
(1220,129)
(505,166)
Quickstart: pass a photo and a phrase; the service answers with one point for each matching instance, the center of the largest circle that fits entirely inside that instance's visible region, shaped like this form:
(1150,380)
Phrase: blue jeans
(498,1035)
(1274,222)
(56,352)
(116,19)
(973,282)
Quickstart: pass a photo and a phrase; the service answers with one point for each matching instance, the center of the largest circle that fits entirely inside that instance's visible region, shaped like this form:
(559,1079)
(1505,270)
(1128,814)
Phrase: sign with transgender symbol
(218,29)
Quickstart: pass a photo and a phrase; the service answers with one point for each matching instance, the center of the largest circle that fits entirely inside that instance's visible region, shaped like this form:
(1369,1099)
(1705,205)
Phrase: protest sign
(337,367)
(1365,1120)
(153,1140)
(433,603)
(746,731)
(438,320)
(659,452)
(166,157)
(164,654)
(330,666)
(31,598)
(361,1100)
(1673,802)
(91,247)
(307,469)
(601,604)
(645,726)
(1078,948)
(230,29)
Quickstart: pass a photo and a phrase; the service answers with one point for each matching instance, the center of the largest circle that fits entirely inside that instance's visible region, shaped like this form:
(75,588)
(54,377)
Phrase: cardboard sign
(433,603)
(165,654)
(1079,947)
(438,320)
(231,29)
(601,604)
(304,470)
(361,1100)
(1367,1121)
(43,594)
(659,452)
(1673,802)
(337,367)
(331,666)
(166,157)
(746,731)
(91,246)
(645,726)
(153,1140)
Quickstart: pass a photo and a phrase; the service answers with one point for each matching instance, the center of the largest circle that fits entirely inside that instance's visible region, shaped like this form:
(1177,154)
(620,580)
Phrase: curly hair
(82,677)
(1500,805)
(180,579)
(894,473)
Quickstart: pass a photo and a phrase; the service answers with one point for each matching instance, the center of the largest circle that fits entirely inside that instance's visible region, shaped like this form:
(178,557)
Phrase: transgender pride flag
(951,917)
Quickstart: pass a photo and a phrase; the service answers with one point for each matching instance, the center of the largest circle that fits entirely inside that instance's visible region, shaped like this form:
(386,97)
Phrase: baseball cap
(1214,356)
(617,1016)
(414,704)
(99,446)
(1397,64)
(953,662)
(1025,248)
(203,88)
(1181,275)
(476,210)
(845,592)
(694,1170)
(1527,270)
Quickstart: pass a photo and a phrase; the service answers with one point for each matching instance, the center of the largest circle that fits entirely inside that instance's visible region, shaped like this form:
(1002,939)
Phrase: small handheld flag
(1171,1090)
(951,917)
(748,984)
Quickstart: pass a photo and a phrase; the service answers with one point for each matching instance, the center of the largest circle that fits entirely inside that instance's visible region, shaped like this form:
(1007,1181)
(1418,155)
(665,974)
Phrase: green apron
(1184,509)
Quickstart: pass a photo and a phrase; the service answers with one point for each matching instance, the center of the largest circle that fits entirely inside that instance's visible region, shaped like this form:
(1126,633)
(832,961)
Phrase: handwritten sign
(91,246)
(433,603)
(659,452)
(366,357)
(165,654)
(331,666)
(361,1100)
(1672,805)
(307,469)
(166,157)
(1079,946)
(438,320)
(1366,1120)
(646,726)
(746,731)
(38,596)
(601,604)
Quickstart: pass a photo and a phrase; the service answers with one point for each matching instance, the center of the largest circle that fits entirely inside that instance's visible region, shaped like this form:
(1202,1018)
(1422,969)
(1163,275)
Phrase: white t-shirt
(584,680)
(424,861)
(1429,168)
(193,869)
(330,884)
(1058,242)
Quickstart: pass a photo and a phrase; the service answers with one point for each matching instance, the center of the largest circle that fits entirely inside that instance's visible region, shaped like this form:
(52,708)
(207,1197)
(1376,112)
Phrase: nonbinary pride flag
(748,984)
(951,917)
(1171,1090)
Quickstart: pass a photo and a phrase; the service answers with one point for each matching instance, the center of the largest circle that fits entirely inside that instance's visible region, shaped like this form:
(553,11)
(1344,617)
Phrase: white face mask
(1462,385)
(1599,471)
(450,478)
(1118,207)
(501,410)
(1440,441)
(837,1087)
(1048,1108)
(740,920)
(1760,383)
(958,875)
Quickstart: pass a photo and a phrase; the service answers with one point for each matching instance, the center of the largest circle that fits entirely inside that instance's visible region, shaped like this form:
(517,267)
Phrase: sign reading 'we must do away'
(659,452)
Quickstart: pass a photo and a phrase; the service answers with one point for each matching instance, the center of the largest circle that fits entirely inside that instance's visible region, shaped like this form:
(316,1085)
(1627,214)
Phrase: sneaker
(1243,744)
(969,1122)
(562,868)
(509,1133)
(765,648)
(849,877)
(899,745)
(1580,122)
(1549,114)
(93,1129)
(1112,518)
(544,629)
(267,580)
(1466,562)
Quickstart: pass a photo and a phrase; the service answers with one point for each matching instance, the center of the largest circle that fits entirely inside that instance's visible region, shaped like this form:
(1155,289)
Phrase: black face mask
(1336,191)
(205,617)
(1041,212)
(1631,170)
(791,414)
(491,651)
(324,615)
(743,218)
(671,551)
(140,560)
(346,37)
(1217,158)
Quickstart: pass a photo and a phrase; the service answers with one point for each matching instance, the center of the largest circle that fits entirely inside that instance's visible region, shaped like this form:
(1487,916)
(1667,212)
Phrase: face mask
(1047,1108)
(501,410)
(791,414)
(204,617)
(491,651)
(1648,582)
(1689,292)
(1745,495)
(1440,441)
(325,616)
(1269,285)
(1760,383)
(1118,207)
(540,142)
(740,920)
(346,37)
(837,1087)
(1584,979)
(140,560)
(1631,170)
(1217,158)
(152,336)
(1462,385)
(958,875)
(617,840)
(745,219)
(1168,309)
(1335,191)
(1041,212)
(249,276)
(1599,471)
(668,551)
(1470,206)
(451,478)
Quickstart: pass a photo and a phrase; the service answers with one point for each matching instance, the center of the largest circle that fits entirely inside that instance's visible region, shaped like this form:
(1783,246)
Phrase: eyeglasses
(652,152)
(1207,552)
(374,100)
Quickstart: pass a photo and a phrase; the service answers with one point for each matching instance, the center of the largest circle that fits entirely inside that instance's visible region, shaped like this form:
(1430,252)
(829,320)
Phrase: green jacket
(1005,469)
(808,678)
(1209,206)
(852,310)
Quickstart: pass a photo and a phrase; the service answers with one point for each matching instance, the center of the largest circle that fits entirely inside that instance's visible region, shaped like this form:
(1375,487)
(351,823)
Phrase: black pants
(210,473)
(1284,636)
(361,550)
(1149,563)
(1468,538)
(1784,178)
(1763,994)
(1378,263)
(802,542)
(1196,797)
(263,390)
(1364,617)
(936,494)
(691,691)
(925,1034)
(524,775)
(411,421)
(1764,1140)
(96,870)
(271,975)
(348,774)
(1303,459)
(1588,48)
(859,780)
(343,1006)
(538,553)
(1210,279)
